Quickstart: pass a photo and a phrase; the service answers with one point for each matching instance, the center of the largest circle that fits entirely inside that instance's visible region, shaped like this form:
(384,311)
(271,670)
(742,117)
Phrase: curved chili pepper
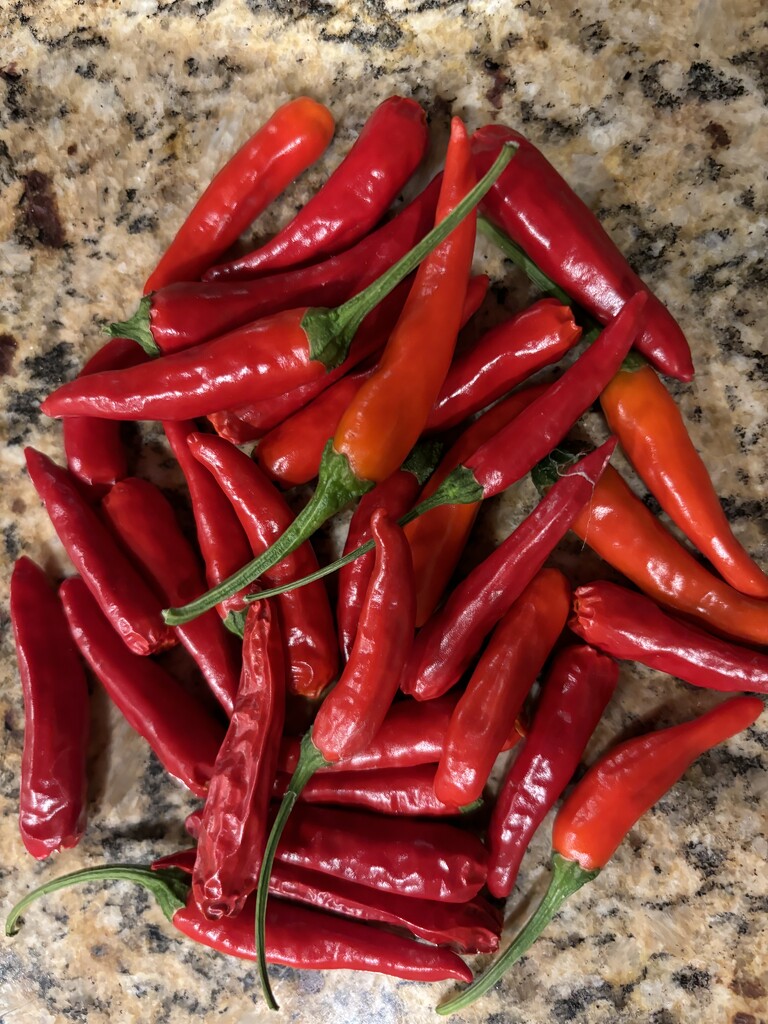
(542,214)
(234,822)
(180,730)
(305,615)
(94,448)
(144,521)
(643,415)
(578,687)
(53,784)
(604,805)
(632,628)
(627,535)
(292,139)
(123,596)
(353,200)
(444,648)
(486,712)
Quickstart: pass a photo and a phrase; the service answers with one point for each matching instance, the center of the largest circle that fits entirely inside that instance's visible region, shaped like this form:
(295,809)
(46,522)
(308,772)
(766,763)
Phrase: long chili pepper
(446,645)
(94,448)
(632,628)
(603,806)
(542,214)
(128,602)
(53,784)
(234,822)
(180,730)
(577,689)
(268,357)
(651,430)
(627,535)
(305,618)
(486,712)
(146,524)
(296,936)
(292,139)
(353,200)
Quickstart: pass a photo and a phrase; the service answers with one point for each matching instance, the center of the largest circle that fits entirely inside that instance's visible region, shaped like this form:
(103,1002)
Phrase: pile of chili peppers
(336,346)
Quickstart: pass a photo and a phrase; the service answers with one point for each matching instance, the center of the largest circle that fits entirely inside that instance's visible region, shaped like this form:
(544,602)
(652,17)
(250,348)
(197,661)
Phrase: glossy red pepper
(486,712)
(444,648)
(577,689)
(541,213)
(144,521)
(292,139)
(128,602)
(234,822)
(180,730)
(630,627)
(53,784)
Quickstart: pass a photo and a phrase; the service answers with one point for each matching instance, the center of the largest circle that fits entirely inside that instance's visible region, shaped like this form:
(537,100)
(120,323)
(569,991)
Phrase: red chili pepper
(651,430)
(578,687)
(604,805)
(305,615)
(292,139)
(53,784)
(486,713)
(180,730)
(444,648)
(632,628)
(123,596)
(94,448)
(542,214)
(234,822)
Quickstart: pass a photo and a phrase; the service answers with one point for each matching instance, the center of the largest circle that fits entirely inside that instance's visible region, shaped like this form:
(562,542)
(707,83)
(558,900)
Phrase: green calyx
(567,878)
(546,473)
(137,328)
(423,459)
(235,623)
(633,362)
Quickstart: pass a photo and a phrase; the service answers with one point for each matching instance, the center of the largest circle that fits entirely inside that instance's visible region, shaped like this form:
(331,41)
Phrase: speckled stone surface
(114,115)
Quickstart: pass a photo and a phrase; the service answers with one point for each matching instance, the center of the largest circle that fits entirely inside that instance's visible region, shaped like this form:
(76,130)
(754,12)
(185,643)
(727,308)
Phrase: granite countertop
(114,115)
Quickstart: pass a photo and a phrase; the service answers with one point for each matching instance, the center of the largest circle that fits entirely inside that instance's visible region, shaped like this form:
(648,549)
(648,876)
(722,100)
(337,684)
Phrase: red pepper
(447,644)
(486,713)
(123,596)
(604,805)
(180,730)
(234,823)
(292,139)
(145,523)
(628,626)
(541,213)
(305,614)
(94,448)
(578,687)
(53,784)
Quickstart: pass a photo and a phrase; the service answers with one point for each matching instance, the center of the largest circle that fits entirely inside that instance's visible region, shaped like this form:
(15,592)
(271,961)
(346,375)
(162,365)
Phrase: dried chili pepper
(180,730)
(486,712)
(444,648)
(292,139)
(123,596)
(352,201)
(53,783)
(145,523)
(627,535)
(234,822)
(604,805)
(632,628)
(577,689)
(542,214)
(643,415)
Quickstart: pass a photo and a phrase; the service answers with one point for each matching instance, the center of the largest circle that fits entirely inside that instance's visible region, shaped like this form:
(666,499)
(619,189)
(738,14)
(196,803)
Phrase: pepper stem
(136,328)
(310,759)
(522,260)
(546,473)
(169,886)
(567,878)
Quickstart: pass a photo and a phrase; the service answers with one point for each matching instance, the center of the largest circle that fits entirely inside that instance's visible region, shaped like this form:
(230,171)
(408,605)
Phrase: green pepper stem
(548,471)
(235,623)
(522,260)
(422,459)
(310,759)
(137,328)
(169,886)
(567,878)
